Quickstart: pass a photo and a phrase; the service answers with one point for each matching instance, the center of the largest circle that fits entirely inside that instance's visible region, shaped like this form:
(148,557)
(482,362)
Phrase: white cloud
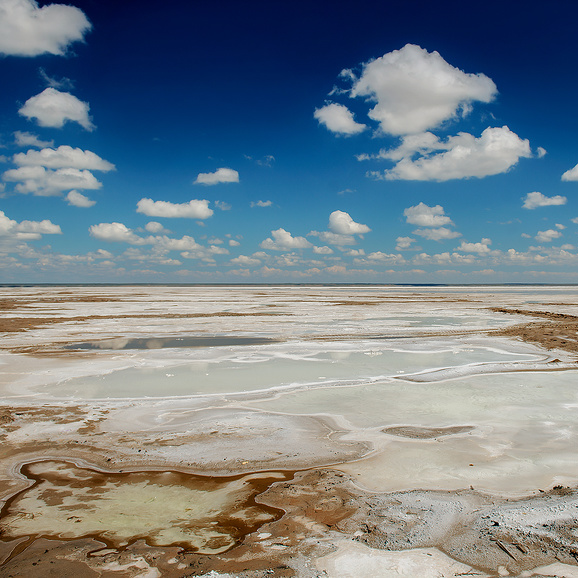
(380,257)
(571,175)
(495,151)
(155,228)
(233,243)
(221,205)
(283,240)
(425,216)
(27,230)
(415,90)
(46,182)
(541,152)
(547,236)
(404,243)
(440,234)
(161,244)
(323,250)
(266,161)
(77,199)
(421,143)
(339,119)
(243,260)
(63,157)
(560,227)
(195,209)
(481,248)
(27,30)
(222,175)
(534,200)
(575,220)
(261,203)
(52,108)
(333,238)
(341,223)
(115,232)
(26,139)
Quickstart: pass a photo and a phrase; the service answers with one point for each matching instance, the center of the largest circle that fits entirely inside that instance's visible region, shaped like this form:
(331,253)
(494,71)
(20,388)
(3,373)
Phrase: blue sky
(377,142)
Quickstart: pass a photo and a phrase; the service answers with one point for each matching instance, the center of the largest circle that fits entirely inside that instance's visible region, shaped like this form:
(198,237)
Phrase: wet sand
(331,526)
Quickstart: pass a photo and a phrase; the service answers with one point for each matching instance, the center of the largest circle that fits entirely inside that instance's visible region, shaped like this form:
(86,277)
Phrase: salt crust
(354,560)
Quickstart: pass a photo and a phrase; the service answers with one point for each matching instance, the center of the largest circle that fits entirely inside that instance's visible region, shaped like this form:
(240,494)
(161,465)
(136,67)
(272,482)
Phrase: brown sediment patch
(10,324)
(559,332)
(426,433)
(204,514)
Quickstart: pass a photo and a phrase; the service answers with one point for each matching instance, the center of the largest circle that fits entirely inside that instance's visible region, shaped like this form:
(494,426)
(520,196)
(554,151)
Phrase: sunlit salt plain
(359,359)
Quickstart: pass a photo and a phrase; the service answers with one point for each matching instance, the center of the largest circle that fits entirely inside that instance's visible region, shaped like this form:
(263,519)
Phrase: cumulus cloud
(440,234)
(283,240)
(63,157)
(52,108)
(496,151)
(195,209)
(27,230)
(333,238)
(233,243)
(384,257)
(261,203)
(44,182)
(161,244)
(222,175)
(77,199)
(338,119)
(571,174)
(404,243)
(425,216)
(481,248)
(27,30)
(27,139)
(547,236)
(223,206)
(534,200)
(243,260)
(323,250)
(415,90)
(115,232)
(156,228)
(341,223)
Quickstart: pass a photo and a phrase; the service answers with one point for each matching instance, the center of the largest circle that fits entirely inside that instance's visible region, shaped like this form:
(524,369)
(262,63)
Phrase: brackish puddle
(169,342)
(207,515)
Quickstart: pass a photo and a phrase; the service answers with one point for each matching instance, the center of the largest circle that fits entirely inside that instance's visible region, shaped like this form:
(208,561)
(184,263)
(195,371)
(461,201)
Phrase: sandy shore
(337,516)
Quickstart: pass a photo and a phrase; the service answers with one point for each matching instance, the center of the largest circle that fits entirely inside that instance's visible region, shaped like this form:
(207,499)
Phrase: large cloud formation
(27,30)
(415,90)
(464,156)
(49,172)
(44,182)
(412,92)
(52,108)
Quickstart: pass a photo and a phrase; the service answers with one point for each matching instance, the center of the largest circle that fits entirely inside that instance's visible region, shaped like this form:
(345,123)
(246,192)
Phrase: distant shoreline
(9,285)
